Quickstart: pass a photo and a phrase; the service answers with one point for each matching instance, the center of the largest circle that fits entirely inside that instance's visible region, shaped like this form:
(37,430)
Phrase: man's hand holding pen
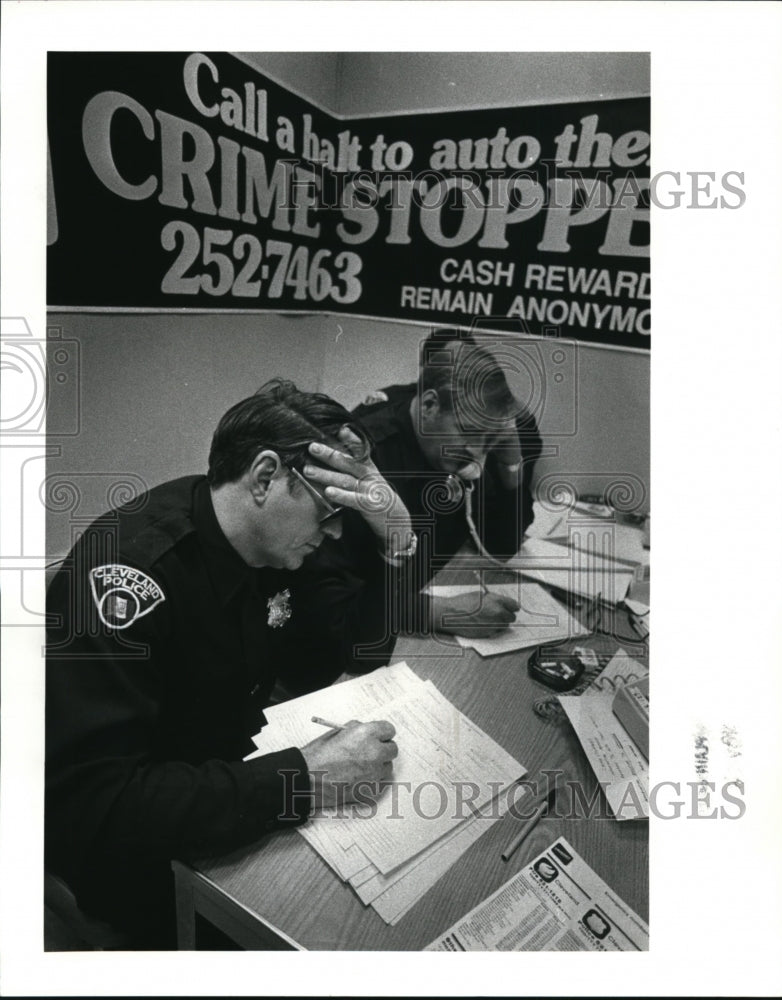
(352,759)
(473,615)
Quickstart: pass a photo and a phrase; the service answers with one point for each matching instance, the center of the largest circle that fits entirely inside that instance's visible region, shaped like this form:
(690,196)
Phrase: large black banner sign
(192,181)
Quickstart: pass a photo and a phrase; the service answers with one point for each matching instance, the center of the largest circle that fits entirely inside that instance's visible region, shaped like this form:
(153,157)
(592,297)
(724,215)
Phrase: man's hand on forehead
(346,442)
(336,467)
(354,482)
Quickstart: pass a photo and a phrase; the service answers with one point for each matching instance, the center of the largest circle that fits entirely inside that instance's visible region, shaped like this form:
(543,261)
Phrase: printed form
(555,903)
(451,783)
(619,765)
(446,767)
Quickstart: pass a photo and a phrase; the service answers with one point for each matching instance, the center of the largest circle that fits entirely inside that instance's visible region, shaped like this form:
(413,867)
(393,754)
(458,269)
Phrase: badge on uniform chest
(279,609)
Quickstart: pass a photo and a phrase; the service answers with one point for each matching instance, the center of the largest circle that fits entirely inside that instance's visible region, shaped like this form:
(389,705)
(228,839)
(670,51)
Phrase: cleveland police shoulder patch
(123,594)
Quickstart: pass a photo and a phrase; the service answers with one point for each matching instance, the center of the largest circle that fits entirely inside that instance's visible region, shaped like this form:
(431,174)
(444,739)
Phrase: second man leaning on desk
(460,451)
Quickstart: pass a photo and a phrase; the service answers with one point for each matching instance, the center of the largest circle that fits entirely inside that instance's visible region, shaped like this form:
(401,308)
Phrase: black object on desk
(558,670)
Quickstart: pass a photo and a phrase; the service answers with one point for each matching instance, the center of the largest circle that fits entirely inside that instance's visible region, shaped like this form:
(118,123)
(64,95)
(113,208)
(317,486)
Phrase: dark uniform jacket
(160,658)
(437,507)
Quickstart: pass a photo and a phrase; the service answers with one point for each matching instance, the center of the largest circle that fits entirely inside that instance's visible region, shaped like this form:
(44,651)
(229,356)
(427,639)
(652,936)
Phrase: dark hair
(467,378)
(281,418)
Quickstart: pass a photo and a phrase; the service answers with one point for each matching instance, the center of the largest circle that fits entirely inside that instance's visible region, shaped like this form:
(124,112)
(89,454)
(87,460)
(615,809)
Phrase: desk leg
(185,908)
(195,895)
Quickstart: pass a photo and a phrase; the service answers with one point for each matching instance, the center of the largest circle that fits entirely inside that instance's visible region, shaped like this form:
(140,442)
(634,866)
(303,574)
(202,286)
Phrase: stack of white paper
(580,571)
(616,540)
(451,782)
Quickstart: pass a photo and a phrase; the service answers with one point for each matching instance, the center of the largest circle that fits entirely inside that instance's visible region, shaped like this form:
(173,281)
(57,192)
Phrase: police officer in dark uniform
(460,451)
(165,644)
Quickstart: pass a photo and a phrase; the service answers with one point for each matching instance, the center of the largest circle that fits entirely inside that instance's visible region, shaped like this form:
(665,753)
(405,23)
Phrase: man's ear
(430,404)
(265,469)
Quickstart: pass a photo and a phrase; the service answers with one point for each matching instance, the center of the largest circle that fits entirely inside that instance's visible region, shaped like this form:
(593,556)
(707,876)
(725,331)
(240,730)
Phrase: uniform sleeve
(108,787)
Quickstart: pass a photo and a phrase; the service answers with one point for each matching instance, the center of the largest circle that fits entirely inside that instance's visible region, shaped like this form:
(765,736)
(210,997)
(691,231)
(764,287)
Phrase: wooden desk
(278,893)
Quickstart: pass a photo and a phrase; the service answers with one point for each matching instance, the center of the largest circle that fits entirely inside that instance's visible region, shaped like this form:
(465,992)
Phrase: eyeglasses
(332,511)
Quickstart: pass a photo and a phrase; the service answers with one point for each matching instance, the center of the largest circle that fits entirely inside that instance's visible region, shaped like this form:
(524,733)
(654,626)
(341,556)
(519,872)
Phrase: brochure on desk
(556,903)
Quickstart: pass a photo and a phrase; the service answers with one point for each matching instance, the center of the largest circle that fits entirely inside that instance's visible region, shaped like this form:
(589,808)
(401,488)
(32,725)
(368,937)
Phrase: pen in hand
(335,726)
(484,589)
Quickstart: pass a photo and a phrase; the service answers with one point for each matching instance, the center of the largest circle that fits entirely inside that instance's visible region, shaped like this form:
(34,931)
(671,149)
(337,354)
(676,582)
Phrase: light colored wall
(360,83)
(152,389)
(311,74)
(409,81)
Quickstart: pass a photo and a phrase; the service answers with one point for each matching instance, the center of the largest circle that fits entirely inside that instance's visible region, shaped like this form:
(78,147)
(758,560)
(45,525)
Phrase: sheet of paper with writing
(395,894)
(448,773)
(540,619)
(442,755)
(341,702)
(615,758)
